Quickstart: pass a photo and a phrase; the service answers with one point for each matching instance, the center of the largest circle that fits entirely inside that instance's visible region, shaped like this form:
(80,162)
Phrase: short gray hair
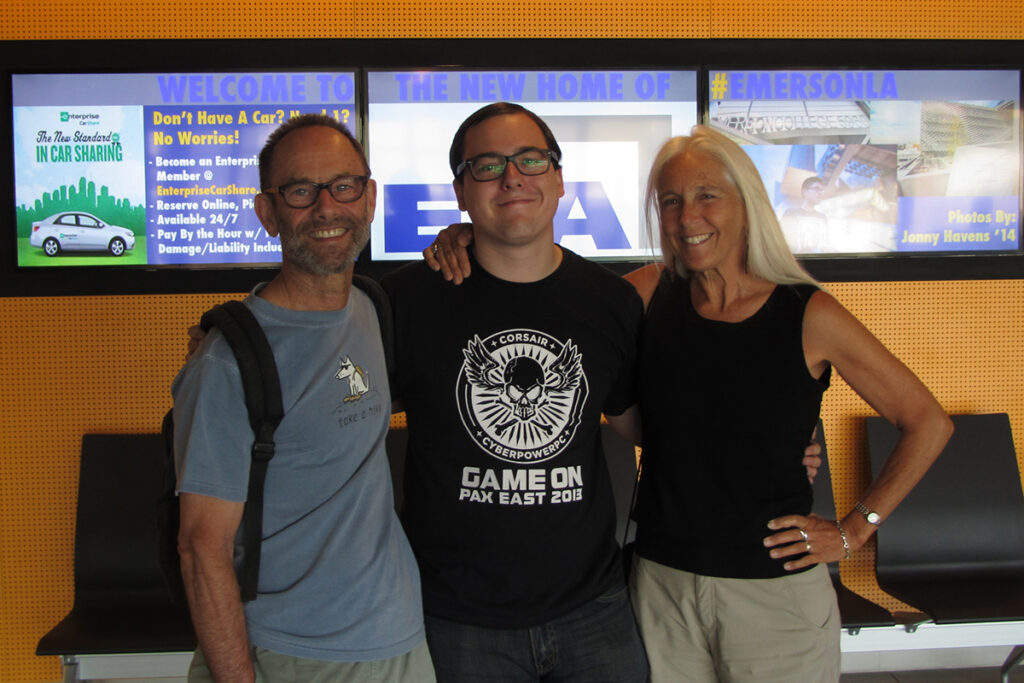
(266,156)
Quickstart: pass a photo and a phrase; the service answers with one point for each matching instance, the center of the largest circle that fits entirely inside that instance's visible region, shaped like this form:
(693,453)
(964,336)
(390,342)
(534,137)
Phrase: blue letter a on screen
(585,210)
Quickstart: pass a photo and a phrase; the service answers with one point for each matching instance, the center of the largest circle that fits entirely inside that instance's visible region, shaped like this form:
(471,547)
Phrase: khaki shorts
(272,667)
(709,630)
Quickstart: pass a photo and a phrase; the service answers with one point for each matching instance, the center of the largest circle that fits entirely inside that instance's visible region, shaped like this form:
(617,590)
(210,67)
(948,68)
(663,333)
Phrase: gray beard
(309,261)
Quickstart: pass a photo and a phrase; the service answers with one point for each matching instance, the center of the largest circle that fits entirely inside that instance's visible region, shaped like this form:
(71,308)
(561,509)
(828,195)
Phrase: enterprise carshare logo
(88,119)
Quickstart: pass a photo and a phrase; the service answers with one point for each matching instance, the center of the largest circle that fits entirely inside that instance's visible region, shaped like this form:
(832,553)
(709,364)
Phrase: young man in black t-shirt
(504,379)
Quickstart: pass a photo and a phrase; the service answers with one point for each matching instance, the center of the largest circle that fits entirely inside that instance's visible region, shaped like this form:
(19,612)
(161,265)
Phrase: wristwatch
(870,515)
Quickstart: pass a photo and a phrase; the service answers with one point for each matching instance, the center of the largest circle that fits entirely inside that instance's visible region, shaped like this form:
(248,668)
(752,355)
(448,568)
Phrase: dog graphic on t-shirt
(357,380)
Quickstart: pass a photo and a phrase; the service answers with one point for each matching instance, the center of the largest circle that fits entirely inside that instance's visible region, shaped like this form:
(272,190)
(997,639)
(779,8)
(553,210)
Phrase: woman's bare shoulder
(645,279)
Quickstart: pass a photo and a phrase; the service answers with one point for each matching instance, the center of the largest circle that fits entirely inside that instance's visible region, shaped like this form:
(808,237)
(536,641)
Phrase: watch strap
(870,515)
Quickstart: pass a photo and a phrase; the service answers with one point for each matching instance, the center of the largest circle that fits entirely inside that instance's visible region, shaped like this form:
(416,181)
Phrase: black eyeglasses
(486,167)
(302,195)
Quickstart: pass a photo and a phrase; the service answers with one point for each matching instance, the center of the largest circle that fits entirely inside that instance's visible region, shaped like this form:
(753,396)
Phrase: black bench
(122,604)
(954,548)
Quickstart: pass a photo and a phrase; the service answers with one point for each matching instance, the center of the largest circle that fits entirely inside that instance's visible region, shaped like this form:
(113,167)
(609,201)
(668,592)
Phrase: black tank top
(728,409)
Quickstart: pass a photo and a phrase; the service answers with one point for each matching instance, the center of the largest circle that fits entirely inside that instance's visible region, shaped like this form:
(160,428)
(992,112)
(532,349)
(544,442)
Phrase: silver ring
(808,544)
(803,534)
(433,249)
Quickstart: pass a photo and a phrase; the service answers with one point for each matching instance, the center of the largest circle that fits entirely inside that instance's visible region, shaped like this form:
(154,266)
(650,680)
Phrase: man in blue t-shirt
(339,591)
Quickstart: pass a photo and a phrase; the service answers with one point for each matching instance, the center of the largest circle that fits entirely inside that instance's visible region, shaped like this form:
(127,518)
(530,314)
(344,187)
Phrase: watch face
(870,515)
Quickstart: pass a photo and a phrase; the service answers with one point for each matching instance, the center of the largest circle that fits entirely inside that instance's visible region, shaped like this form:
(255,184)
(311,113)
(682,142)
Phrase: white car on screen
(79,231)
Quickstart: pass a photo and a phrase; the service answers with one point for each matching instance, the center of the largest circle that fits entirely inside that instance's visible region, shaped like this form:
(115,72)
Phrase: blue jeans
(596,643)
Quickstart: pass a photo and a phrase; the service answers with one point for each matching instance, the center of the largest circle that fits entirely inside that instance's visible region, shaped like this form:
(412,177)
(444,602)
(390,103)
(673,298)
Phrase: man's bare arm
(206,545)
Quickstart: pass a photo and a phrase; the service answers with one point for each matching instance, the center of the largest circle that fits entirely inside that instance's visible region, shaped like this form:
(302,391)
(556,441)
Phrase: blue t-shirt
(338,580)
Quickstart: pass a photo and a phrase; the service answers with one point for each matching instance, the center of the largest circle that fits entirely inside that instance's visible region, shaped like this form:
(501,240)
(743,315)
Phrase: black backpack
(262,389)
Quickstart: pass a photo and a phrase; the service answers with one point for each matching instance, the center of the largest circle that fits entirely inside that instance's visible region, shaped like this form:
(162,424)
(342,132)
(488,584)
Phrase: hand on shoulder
(449,252)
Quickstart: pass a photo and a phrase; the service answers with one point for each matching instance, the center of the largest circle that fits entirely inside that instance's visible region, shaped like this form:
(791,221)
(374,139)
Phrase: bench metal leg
(1013,660)
(69,665)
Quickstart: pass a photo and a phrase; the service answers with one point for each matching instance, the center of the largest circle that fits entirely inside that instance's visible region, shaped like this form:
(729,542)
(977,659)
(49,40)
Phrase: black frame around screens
(360,55)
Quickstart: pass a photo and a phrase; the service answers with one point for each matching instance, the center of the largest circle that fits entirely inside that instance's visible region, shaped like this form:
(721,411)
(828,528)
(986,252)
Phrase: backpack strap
(384,317)
(262,388)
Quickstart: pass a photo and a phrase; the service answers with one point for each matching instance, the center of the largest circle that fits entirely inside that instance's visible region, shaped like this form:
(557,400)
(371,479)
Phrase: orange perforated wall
(104,364)
(962,339)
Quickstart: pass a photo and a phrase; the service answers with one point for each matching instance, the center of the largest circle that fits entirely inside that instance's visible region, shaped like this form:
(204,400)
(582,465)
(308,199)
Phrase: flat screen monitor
(153,170)
(609,125)
(130,165)
(859,162)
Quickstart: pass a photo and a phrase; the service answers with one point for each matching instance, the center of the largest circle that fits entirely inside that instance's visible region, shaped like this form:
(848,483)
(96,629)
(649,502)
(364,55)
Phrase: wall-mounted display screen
(887,161)
(154,169)
(609,125)
(131,166)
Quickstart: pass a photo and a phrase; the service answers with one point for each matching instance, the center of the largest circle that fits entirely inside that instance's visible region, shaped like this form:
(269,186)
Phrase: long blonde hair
(768,254)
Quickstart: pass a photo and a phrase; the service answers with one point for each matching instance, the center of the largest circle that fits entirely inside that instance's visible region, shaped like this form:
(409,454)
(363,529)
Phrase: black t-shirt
(508,502)
(728,409)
